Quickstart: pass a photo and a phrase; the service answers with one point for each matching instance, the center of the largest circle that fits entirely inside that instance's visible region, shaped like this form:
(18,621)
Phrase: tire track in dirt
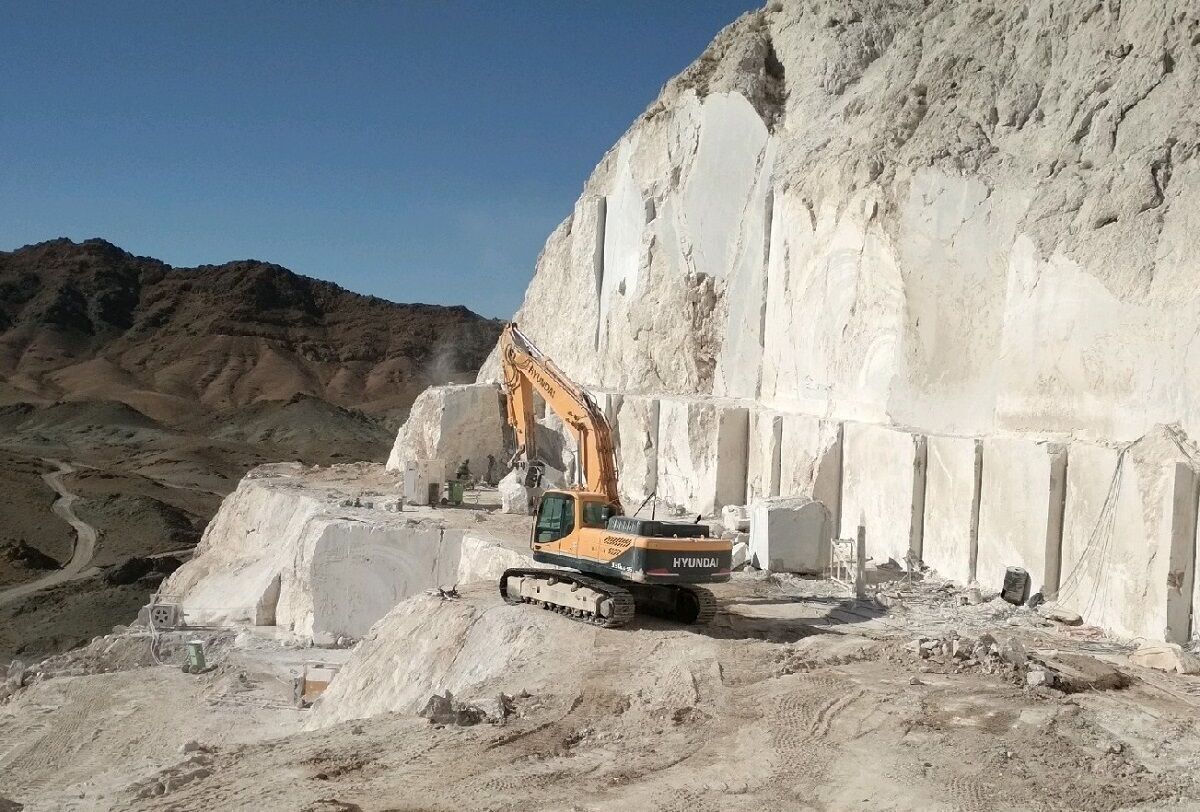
(802,720)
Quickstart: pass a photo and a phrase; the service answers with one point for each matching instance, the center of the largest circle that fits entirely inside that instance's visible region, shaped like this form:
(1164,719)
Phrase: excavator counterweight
(627,564)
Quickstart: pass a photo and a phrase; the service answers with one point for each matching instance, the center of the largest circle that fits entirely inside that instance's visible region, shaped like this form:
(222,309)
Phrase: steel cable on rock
(1099,539)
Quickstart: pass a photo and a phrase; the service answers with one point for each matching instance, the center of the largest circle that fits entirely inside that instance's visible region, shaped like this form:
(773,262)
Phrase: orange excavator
(616,565)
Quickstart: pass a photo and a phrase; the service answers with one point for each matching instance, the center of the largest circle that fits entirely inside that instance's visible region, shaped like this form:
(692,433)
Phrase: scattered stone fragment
(1072,673)
(961,648)
(1166,657)
(16,675)
(1013,653)
(1059,614)
(1037,678)
(443,710)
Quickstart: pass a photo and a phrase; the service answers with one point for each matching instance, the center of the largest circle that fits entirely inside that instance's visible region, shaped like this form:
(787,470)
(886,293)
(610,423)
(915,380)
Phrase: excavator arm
(527,370)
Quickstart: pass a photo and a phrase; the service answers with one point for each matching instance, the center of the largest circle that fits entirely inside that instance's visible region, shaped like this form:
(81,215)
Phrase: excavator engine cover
(657,529)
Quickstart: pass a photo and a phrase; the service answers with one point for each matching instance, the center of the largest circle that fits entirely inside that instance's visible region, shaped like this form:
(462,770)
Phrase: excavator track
(681,603)
(612,605)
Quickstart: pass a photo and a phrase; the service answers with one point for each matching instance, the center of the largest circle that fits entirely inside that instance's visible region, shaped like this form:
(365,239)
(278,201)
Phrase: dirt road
(85,540)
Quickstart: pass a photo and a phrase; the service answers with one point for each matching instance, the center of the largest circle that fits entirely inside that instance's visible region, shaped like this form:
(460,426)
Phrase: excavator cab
(560,512)
(555,518)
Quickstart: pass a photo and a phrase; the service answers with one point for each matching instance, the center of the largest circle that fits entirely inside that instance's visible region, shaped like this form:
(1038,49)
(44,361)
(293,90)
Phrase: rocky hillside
(92,322)
(959,217)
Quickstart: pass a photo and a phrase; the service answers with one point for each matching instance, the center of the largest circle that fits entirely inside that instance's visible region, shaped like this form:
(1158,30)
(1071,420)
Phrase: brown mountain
(89,321)
(152,389)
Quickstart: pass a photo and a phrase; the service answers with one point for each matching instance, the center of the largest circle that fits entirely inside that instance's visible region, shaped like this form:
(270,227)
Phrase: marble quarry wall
(830,262)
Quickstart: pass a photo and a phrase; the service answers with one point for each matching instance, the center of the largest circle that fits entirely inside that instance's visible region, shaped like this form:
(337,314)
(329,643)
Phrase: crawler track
(620,599)
(681,603)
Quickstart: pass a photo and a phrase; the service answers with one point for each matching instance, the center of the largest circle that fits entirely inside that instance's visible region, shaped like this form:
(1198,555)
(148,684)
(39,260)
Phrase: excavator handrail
(526,367)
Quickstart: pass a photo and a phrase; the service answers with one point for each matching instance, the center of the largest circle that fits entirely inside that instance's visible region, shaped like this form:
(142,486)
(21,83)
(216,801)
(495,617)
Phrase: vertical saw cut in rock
(624,564)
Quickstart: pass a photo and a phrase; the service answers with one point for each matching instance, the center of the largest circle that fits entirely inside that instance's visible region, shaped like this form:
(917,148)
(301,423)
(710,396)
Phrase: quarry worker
(464,470)
(491,469)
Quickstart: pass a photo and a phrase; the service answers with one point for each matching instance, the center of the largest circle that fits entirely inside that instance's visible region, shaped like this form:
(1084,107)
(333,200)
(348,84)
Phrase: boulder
(515,497)
(1166,657)
(454,424)
(789,534)
(735,518)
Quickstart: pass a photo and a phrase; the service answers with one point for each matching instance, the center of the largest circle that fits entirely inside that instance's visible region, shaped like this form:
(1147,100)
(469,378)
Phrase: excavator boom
(527,370)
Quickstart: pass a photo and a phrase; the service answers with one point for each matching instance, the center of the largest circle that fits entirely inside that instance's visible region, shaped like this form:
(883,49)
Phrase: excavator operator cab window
(556,518)
(597,514)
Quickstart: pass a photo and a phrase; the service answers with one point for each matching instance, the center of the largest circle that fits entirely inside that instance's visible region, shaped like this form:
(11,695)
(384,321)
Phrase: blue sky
(418,151)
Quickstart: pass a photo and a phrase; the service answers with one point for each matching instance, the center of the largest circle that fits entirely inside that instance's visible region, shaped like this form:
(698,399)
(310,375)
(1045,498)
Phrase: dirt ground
(796,697)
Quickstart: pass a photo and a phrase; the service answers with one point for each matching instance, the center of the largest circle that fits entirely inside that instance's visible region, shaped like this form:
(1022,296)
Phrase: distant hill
(89,321)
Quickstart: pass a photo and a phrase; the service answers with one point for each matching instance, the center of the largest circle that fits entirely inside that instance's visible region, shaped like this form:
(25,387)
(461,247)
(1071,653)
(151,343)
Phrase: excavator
(614,565)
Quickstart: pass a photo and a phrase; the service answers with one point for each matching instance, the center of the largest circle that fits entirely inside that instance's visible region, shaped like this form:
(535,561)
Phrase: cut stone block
(762,470)
(701,454)
(883,489)
(635,426)
(1021,511)
(953,477)
(810,461)
(789,534)
(1129,536)
(279,554)
(452,424)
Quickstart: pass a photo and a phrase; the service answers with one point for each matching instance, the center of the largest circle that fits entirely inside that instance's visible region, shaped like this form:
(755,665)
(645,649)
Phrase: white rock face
(884,490)
(287,552)
(950,537)
(763,464)
(812,216)
(1127,556)
(1021,511)
(810,461)
(701,454)
(452,424)
(635,426)
(826,220)
(790,534)
(482,559)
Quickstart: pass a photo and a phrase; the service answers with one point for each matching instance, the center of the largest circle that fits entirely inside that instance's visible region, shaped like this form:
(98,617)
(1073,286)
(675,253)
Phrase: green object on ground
(454,492)
(195,657)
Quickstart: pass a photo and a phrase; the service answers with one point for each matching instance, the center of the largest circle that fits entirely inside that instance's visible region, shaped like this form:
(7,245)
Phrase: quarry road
(85,539)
